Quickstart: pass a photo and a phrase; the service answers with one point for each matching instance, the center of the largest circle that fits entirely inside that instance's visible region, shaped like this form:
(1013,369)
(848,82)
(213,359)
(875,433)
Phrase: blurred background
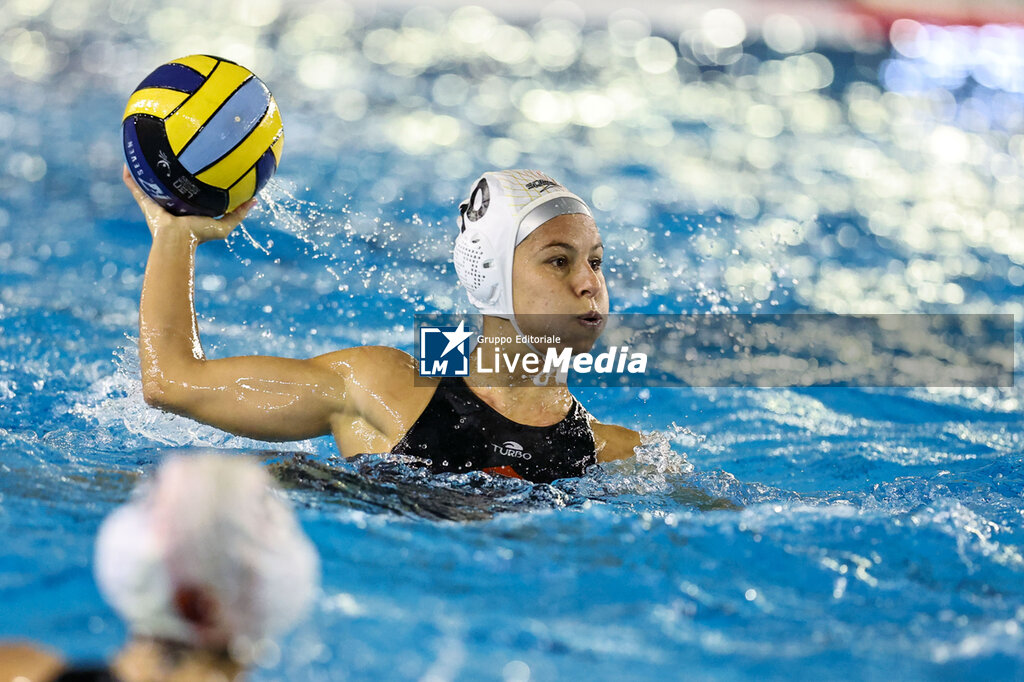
(844,156)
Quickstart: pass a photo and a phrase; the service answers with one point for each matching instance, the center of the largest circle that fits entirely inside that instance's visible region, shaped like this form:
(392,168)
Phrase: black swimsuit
(87,674)
(459,432)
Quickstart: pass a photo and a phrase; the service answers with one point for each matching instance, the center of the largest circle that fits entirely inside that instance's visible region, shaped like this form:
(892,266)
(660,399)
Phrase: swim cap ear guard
(503,209)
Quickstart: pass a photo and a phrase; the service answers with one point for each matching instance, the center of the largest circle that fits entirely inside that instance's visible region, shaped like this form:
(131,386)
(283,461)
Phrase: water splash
(113,405)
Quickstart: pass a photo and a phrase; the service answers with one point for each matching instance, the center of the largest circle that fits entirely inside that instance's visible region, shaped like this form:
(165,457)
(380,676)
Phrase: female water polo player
(205,564)
(527,249)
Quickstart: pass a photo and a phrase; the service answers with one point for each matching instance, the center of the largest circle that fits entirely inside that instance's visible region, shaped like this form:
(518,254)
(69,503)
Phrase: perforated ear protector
(503,208)
(475,250)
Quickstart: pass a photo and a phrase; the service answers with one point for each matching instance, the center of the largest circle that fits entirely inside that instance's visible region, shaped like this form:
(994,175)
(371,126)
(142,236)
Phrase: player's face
(558,286)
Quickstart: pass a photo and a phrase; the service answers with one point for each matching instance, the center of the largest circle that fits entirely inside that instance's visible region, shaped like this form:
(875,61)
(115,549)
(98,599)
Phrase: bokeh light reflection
(722,128)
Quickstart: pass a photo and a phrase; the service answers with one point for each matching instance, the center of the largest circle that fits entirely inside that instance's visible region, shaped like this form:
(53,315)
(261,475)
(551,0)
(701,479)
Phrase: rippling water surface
(735,167)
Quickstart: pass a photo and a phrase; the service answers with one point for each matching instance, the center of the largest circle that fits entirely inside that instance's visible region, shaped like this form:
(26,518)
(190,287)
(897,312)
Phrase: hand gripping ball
(202,135)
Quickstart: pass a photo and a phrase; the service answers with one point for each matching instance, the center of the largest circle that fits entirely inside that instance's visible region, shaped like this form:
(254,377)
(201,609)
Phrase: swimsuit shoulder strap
(101,673)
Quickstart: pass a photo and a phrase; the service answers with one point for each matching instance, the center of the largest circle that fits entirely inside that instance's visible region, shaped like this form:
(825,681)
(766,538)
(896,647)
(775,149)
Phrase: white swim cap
(206,554)
(502,210)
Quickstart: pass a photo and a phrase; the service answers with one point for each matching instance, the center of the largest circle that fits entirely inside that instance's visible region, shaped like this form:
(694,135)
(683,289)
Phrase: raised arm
(261,397)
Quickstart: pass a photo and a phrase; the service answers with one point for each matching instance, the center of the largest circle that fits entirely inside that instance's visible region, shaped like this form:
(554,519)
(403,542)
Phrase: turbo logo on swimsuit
(510,448)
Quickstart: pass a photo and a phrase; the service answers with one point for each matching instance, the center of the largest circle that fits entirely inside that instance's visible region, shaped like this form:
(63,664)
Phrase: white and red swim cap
(503,209)
(207,554)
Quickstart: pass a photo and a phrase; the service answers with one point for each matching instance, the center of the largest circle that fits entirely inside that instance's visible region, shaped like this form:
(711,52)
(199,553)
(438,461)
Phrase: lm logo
(444,351)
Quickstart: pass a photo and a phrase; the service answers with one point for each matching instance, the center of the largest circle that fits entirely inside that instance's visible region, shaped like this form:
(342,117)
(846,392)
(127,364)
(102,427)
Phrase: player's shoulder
(380,368)
(358,358)
(24,661)
(613,442)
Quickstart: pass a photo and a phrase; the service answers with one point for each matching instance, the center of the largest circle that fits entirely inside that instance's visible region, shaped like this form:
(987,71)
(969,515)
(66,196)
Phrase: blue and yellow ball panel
(174,77)
(265,168)
(189,195)
(144,174)
(228,127)
(247,153)
(196,111)
(203,63)
(202,135)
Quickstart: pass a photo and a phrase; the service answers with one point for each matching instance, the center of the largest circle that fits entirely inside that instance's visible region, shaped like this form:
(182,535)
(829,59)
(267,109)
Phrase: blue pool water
(733,169)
